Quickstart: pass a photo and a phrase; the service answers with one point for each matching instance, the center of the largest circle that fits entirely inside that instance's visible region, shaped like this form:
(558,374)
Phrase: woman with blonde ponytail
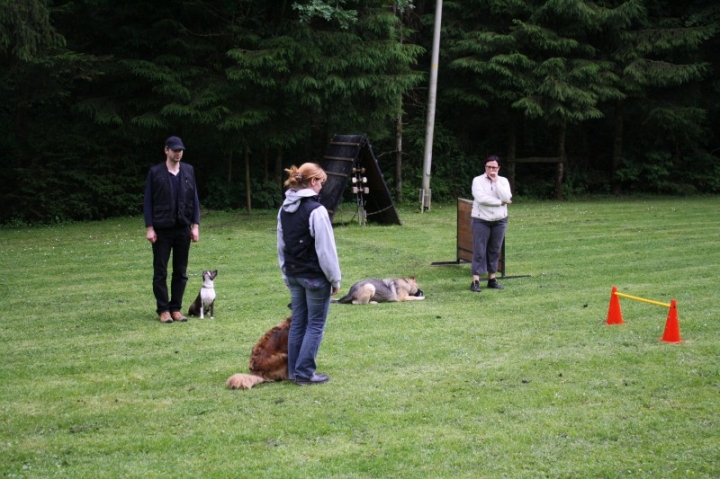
(310,268)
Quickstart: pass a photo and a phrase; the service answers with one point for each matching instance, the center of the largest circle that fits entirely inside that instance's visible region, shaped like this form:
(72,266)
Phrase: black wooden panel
(345,152)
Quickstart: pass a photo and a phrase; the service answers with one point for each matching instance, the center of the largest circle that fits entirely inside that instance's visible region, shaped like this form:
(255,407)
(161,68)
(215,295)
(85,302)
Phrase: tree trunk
(278,169)
(561,163)
(617,146)
(248,189)
(266,164)
(229,167)
(512,151)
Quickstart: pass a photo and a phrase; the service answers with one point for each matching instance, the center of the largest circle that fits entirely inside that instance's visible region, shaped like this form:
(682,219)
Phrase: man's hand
(150,235)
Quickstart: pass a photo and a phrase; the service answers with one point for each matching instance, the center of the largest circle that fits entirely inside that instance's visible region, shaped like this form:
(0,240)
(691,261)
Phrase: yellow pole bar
(658,303)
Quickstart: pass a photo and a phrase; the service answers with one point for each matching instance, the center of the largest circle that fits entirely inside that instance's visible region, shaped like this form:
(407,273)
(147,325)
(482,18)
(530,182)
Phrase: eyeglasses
(492,167)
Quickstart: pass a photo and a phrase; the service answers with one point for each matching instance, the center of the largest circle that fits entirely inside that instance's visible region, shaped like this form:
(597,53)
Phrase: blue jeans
(310,303)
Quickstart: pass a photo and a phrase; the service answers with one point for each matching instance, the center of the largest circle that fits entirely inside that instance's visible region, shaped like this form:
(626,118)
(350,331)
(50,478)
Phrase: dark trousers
(177,241)
(487,242)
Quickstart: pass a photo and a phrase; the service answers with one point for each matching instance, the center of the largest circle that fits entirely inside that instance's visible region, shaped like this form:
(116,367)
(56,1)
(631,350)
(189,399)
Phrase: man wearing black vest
(172,219)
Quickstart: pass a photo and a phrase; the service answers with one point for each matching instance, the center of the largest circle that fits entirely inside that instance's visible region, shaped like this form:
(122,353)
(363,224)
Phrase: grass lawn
(525,382)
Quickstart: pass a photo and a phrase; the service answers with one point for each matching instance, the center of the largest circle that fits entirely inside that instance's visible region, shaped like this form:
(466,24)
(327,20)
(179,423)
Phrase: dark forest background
(603,97)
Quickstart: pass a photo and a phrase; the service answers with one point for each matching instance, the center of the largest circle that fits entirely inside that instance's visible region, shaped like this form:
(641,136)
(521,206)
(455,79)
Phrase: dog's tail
(344,300)
(244,381)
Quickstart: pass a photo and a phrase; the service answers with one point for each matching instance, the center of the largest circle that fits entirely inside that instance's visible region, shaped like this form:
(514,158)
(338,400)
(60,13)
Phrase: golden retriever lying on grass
(268,361)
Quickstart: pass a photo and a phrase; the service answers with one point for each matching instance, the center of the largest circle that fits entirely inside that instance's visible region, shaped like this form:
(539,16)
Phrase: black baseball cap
(174,143)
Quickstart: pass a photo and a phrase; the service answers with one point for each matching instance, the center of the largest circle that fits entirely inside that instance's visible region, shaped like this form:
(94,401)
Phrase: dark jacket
(301,259)
(160,200)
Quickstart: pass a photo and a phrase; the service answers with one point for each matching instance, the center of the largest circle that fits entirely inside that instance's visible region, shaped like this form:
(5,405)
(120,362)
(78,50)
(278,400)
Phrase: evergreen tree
(37,76)
(327,71)
(538,62)
(564,61)
(89,89)
(653,52)
(235,79)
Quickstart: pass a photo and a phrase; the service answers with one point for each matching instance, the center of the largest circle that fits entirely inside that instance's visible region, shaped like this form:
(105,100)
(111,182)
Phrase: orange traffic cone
(672,325)
(614,314)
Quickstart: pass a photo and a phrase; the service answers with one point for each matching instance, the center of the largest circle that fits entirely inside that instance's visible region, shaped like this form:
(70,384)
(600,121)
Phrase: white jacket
(488,198)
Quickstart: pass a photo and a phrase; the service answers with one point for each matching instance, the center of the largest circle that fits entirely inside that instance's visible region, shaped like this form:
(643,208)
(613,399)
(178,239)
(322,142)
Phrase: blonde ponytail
(299,178)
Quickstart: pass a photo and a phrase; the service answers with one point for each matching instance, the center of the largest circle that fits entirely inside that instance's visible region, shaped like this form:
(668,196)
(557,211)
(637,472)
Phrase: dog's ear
(215,272)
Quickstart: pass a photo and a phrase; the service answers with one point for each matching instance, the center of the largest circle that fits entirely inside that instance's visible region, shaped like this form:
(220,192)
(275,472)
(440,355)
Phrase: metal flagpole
(425,193)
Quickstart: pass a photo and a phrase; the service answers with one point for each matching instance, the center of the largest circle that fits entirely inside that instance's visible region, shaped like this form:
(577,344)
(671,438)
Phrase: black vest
(301,260)
(164,213)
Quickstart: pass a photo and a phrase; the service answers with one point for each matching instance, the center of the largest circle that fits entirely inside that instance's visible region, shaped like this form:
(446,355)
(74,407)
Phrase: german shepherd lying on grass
(268,361)
(373,291)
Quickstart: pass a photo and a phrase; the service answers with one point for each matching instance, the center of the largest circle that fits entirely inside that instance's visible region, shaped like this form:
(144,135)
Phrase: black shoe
(493,284)
(475,287)
(315,379)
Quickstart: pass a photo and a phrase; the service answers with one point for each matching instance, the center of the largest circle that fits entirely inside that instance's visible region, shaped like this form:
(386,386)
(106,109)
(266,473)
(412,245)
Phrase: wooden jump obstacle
(672,324)
(464,244)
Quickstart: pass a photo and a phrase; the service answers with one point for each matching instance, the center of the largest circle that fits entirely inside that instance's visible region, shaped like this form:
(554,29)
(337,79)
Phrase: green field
(525,382)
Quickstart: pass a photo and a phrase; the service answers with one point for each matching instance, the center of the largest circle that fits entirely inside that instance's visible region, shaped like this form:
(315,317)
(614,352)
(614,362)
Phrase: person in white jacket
(491,195)
(310,268)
